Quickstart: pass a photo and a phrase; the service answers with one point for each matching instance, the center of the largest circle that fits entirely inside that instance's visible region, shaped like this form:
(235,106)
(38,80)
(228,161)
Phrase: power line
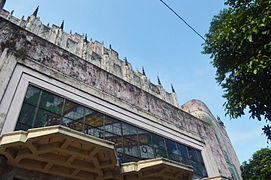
(183,20)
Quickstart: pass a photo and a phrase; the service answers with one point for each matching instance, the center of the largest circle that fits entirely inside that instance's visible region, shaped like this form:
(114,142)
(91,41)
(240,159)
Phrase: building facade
(71,109)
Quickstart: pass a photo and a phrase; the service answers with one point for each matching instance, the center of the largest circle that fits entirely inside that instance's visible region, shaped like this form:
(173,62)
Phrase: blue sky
(149,35)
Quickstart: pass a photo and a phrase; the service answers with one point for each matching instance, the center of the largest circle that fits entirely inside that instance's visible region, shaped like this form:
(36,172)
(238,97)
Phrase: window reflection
(172,150)
(112,125)
(26,117)
(94,119)
(146,148)
(182,150)
(51,103)
(32,95)
(41,108)
(46,118)
(130,147)
(116,139)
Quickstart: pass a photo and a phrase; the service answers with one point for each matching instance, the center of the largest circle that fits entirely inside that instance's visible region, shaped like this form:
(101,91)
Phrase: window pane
(94,131)
(21,126)
(130,147)
(199,157)
(192,154)
(94,119)
(197,168)
(127,158)
(146,152)
(178,158)
(32,95)
(112,125)
(26,116)
(184,155)
(158,142)
(172,150)
(76,125)
(51,102)
(159,153)
(171,147)
(46,118)
(129,131)
(144,137)
(182,150)
(204,172)
(74,111)
(185,160)
(116,139)
(73,124)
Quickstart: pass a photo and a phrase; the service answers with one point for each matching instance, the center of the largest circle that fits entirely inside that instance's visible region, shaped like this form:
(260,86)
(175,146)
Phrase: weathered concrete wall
(7,66)
(105,58)
(200,110)
(27,45)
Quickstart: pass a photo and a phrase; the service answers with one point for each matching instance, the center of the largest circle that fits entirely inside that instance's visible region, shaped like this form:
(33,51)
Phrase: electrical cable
(183,20)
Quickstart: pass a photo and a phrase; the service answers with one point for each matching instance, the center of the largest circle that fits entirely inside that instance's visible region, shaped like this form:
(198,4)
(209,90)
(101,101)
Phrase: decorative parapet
(93,52)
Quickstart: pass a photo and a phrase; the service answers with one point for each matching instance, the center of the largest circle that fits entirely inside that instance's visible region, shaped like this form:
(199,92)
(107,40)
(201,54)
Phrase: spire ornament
(143,71)
(62,25)
(159,82)
(35,13)
(86,38)
(125,61)
(172,88)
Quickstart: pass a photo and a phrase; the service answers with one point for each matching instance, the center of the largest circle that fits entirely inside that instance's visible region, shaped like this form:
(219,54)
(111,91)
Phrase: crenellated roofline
(105,58)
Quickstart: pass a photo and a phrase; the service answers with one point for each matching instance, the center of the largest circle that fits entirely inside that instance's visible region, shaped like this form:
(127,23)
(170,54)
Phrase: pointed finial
(62,25)
(159,82)
(126,62)
(2,3)
(172,88)
(143,71)
(10,14)
(35,13)
(86,38)
(110,47)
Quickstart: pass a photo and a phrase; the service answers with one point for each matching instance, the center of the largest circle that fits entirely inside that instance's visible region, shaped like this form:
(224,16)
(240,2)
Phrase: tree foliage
(239,42)
(259,167)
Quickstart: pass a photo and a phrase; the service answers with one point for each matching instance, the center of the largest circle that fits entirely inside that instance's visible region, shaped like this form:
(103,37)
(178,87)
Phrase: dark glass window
(145,144)
(116,139)
(159,146)
(112,125)
(182,150)
(130,147)
(94,122)
(41,108)
(51,103)
(32,95)
(172,151)
(46,118)
(192,153)
(25,120)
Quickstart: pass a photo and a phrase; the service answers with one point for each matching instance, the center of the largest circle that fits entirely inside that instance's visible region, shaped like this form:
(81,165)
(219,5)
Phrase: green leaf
(249,38)
(240,47)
